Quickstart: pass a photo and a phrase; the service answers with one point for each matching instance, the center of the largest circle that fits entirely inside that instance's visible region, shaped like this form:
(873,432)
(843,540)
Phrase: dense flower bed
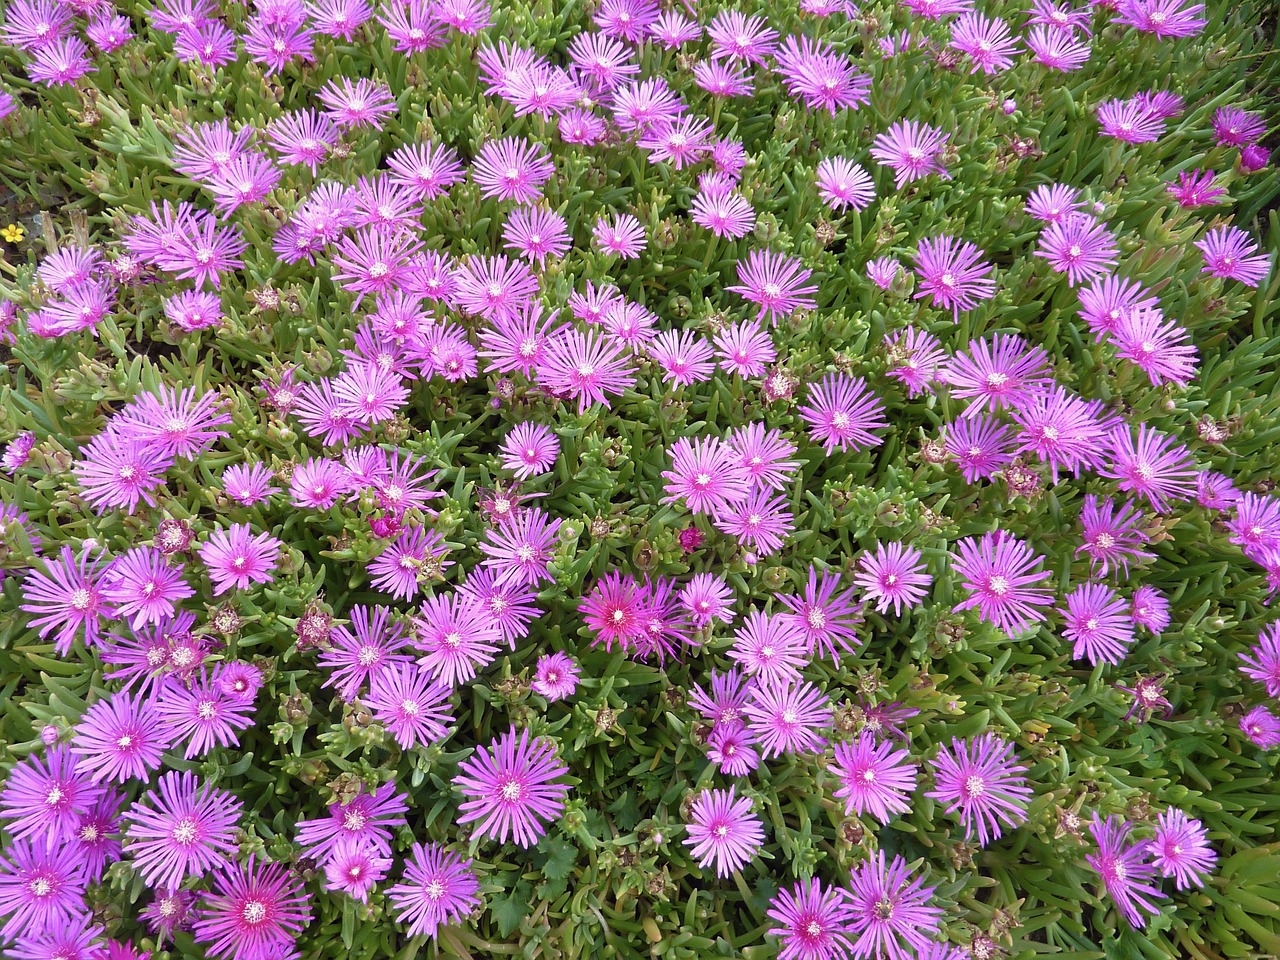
(639,479)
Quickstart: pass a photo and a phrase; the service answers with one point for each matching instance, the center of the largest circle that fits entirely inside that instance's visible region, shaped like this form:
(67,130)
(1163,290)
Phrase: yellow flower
(12,233)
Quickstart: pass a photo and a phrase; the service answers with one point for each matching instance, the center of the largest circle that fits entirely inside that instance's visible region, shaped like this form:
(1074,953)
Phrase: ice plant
(911,149)
(889,911)
(981,780)
(510,787)
(184,830)
(255,912)
(438,888)
(999,571)
(813,922)
(1125,868)
(893,576)
(952,275)
(776,283)
(875,778)
(1180,849)
(723,831)
(842,412)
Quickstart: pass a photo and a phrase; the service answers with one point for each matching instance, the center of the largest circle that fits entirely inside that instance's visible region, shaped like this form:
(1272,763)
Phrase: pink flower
(952,275)
(1079,246)
(775,282)
(706,475)
(999,572)
(235,558)
(255,912)
(512,169)
(911,149)
(510,788)
(842,412)
(894,575)
(875,778)
(1099,624)
(723,830)
(623,235)
(982,781)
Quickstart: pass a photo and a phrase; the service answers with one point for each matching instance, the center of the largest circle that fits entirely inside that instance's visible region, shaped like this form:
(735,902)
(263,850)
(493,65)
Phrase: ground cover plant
(632,479)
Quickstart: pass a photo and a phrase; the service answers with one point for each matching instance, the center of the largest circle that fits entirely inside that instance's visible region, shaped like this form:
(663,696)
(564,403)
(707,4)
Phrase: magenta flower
(1003,372)
(202,711)
(723,830)
(585,367)
(1125,868)
(234,558)
(367,819)
(509,788)
(117,471)
(427,169)
(614,611)
(47,798)
(889,910)
(355,105)
(787,717)
(1163,18)
(1262,662)
(556,676)
(706,475)
(144,588)
(1196,188)
(707,597)
(745,349)
(520,551)
(1099,624)
(456,636)
(1161,348)
(841,413)
(255,912)
(681,141)
(530,449)
(911,149)
(120,738)
(1234,127)
(1112,537)
(828,620)
(814,922)
(41,887)
(1154,465)
(1228,253)
(770,648)
(952,275)
(761,523)
(1059,50)
(981,780)
(357,652)
(410,704)
(895,575)
(917,357)
(1150,609)
(875,779)
(1050,203)
(249,483)
(512,169)
(764,455)
(395,570)
(999,572)
(685,357)
(354,869)
(980,445)
(822,78)
(1262,727)
(724,212)
(777,283)
(438,888)
(986,40)
(842,183)
(1079,246)
(185,830)
(1131,121)
(68,594)
(622,235)
(536,233)
(1181,849)
(177,422)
